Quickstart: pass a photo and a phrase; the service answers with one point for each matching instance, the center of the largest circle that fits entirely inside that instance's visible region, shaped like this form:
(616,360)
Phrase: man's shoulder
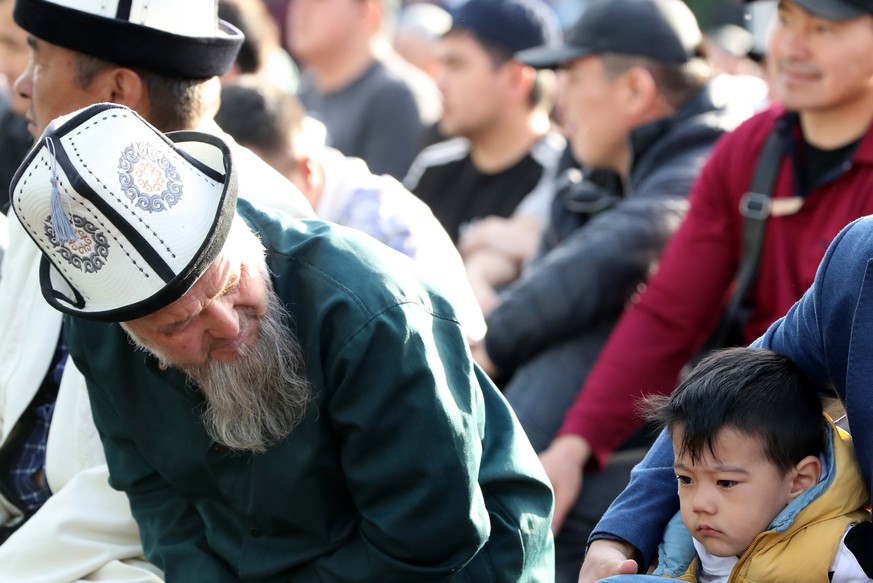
(437,159)
(853,246)
(313,255)
(744,143)
(442,153)
(392,78)
(734,154)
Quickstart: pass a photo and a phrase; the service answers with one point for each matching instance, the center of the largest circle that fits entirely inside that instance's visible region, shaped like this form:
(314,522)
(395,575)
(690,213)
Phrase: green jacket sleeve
(410,430)
(172,532)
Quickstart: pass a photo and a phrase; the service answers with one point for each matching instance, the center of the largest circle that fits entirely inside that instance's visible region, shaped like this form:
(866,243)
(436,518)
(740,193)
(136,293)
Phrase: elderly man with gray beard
(298,404)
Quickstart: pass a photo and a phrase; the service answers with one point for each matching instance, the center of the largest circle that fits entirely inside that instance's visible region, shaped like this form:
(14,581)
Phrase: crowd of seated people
(603,200)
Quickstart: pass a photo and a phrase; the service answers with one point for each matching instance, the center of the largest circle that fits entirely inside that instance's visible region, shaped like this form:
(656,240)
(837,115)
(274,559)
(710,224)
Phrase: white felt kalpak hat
(127,218)
(181,38)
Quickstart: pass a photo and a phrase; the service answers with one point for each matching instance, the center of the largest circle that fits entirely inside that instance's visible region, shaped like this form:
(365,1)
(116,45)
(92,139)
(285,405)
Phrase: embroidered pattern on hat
(150,181)
(89,252)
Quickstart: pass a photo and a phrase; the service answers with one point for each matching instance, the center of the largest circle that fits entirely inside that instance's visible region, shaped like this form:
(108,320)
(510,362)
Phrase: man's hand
(516,237)
(480,355)
(606,558)
(564,461)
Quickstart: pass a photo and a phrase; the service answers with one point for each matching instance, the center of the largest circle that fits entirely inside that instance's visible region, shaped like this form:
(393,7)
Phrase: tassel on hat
(103,256)
(62,226)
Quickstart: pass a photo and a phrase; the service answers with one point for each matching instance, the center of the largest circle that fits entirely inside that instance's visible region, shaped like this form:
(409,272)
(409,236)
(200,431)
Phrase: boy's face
(731,495)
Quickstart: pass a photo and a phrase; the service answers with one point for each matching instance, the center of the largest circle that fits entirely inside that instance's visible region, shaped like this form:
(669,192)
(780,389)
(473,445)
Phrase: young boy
(769,488)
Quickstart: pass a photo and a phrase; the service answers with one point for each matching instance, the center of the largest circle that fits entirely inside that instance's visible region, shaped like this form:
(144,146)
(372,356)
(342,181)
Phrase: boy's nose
(703,500)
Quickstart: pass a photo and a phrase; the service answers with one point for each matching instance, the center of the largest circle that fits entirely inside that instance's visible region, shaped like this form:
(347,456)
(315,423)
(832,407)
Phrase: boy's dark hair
(755,391)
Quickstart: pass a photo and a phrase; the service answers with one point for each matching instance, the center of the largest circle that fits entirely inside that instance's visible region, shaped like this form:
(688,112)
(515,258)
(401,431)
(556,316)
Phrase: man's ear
(641,92)
(127,88)
(520,80)
(308,176)
(314,174)
(806,475)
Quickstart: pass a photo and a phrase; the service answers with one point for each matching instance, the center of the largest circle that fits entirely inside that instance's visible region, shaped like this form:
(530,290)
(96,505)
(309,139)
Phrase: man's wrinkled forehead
(222,274)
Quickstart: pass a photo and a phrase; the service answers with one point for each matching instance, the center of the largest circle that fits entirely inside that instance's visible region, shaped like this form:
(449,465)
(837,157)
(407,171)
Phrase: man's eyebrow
(174,326)
(232,282)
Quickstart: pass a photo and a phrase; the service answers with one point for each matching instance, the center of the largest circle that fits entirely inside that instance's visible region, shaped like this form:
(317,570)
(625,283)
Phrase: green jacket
(409,465)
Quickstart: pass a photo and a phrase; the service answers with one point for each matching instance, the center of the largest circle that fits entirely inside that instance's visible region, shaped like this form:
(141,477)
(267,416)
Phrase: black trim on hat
(123,10)
(121,224)
(192,136)
(74,123)
(56,299)
(177,283)
(187,276)
(203,258)
(130,45)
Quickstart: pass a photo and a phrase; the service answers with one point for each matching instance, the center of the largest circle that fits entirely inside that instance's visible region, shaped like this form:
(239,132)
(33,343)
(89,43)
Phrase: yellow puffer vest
(803,552)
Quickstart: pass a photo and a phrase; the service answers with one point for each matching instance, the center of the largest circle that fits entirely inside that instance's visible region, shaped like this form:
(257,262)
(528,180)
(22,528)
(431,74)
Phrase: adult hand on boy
(606,558)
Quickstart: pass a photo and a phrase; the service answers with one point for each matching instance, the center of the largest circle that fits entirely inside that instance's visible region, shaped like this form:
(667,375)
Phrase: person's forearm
(606,557)
(614,547)
(651,493)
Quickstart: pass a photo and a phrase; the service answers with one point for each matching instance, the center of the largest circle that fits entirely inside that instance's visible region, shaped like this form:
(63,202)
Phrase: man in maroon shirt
(823,77)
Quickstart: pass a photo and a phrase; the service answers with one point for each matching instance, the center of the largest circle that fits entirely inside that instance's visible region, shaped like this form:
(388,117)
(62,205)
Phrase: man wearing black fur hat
(59,519)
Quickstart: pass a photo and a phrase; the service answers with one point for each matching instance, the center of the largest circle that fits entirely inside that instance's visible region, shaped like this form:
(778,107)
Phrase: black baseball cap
(662,30)
(514,25)
(835,9)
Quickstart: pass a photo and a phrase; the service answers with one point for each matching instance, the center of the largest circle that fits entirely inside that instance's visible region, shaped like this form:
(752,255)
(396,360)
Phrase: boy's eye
(683,480)
(726,483)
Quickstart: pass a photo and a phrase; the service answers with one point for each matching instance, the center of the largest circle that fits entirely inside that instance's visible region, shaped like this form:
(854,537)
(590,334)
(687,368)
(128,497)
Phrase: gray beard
(256,400)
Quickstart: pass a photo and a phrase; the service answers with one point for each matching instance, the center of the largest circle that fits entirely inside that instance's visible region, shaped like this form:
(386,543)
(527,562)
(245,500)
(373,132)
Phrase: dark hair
(174,103)
(676,83)
(755,391)
(260,30)
(260,115)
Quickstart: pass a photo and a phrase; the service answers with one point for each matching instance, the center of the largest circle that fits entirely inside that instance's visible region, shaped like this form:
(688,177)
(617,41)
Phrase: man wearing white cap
(161,58)
(296,405)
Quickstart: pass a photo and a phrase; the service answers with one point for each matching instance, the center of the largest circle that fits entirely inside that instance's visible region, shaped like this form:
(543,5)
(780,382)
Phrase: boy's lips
(706,530)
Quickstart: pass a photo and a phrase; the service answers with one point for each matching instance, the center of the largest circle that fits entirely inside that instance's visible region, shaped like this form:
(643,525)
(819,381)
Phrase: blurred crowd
(573,175)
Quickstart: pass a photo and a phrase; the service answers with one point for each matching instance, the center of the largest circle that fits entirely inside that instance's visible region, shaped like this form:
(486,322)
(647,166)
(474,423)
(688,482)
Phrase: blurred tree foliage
(714,13)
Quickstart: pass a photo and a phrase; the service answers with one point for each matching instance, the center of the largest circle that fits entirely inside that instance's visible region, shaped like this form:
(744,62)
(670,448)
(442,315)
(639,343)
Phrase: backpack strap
(755,208)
